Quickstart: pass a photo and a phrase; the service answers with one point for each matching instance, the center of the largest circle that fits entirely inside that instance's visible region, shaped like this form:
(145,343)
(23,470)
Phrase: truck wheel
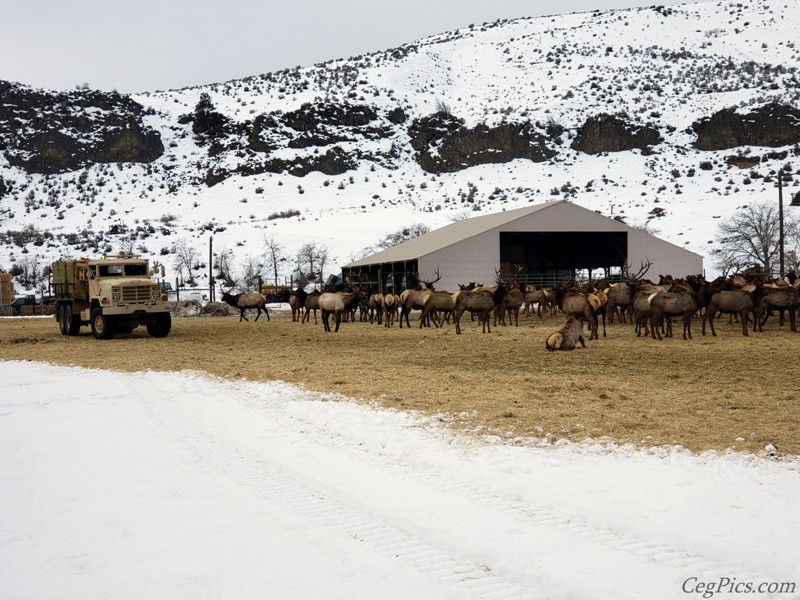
(159,325)
(72,323)
(102,327)
(62,324)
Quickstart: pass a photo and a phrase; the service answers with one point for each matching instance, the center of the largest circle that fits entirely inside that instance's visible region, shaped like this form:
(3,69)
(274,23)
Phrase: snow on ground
(176,485)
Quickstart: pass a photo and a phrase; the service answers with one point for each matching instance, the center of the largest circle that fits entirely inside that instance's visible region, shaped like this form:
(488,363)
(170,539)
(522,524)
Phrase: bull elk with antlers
(415,299)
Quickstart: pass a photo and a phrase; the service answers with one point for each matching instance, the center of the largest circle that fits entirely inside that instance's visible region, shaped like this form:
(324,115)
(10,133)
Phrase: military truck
(112,294)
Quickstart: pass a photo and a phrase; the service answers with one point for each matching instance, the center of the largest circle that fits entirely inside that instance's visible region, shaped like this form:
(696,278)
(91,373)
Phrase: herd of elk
(652,307)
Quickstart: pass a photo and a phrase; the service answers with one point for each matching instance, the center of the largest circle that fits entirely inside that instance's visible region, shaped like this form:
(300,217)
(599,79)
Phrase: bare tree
(186,258)
(751,238)
(224,267)
(251,274)
(274,253)
(311,259)
(30,272)
(403,235)
(127,244)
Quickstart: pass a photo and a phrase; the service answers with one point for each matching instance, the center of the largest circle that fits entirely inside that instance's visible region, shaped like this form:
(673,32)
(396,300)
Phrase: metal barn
(541,244)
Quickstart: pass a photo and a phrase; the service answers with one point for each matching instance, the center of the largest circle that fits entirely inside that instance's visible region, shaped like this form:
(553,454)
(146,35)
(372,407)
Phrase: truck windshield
(127,270)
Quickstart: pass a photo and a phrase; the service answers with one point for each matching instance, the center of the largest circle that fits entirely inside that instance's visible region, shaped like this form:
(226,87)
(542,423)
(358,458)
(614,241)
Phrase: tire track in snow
(276,484)
(393,540)
(499,499)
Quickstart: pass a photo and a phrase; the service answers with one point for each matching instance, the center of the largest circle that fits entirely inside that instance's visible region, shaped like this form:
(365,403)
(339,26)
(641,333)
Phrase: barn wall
(667,259)
(474,259)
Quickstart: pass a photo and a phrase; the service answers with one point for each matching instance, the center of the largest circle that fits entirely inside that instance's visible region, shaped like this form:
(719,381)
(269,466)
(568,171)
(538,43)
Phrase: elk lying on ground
(567,337)
(245,301)
(336,304)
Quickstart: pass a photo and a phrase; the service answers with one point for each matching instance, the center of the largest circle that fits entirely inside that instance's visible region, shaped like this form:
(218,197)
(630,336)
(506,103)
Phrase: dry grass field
(706,393)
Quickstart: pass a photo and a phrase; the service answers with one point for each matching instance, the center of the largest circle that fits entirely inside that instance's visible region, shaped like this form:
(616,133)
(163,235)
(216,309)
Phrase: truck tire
(72,323)
(102,325)
(62,324)
(159,325)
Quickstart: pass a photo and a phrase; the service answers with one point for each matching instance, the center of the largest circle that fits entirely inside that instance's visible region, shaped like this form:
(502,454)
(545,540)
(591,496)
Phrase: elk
(337,303)
(310,302)
(738,302)
(245,301)
(782,297)
(511,303)
(390,304)
(375,305)
(414,299)
(438,302)
(619,296)
(477,301)
(576,304)
(533,295)
(674,304)
(296,304)
(640,306)
(567,337)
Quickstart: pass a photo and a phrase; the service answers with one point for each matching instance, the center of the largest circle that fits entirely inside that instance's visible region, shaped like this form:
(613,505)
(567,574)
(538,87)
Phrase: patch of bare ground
(704,394)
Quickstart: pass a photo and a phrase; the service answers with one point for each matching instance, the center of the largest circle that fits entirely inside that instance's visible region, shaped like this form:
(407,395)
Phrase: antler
(429,284)
(643,269)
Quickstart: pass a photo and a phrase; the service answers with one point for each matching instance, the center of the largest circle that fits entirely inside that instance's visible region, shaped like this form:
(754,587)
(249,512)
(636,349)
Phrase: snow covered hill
(607,109)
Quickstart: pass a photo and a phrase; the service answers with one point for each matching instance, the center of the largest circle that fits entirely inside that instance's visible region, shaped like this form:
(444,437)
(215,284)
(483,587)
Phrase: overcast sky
(153,45)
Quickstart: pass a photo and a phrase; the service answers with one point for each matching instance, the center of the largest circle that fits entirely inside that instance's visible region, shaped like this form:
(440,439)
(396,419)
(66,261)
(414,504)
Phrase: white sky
(168,44)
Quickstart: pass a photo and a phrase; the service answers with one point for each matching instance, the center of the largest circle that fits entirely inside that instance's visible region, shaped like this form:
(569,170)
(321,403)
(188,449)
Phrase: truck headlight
(156,293)
(115,295)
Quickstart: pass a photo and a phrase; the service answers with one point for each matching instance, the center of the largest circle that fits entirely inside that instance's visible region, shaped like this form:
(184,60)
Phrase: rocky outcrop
(334,162)
(770,125)
(610,133)
(444,145)
(45,132)
(310,116)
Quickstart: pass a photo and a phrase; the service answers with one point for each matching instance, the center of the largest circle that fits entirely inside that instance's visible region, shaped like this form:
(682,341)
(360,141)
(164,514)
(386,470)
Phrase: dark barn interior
(553,255)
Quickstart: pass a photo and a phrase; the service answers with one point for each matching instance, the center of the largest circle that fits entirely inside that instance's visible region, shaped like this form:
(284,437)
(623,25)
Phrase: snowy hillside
(341,154)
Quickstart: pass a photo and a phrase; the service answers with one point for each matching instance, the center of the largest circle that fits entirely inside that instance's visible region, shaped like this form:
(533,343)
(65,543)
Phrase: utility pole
(211,269)
(780,218)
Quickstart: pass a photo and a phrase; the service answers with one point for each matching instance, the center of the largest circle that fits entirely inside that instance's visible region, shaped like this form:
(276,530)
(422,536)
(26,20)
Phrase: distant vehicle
(20,301)
(112,295)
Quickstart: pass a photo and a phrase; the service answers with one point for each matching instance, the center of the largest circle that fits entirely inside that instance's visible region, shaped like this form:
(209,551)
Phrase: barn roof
(462,230)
